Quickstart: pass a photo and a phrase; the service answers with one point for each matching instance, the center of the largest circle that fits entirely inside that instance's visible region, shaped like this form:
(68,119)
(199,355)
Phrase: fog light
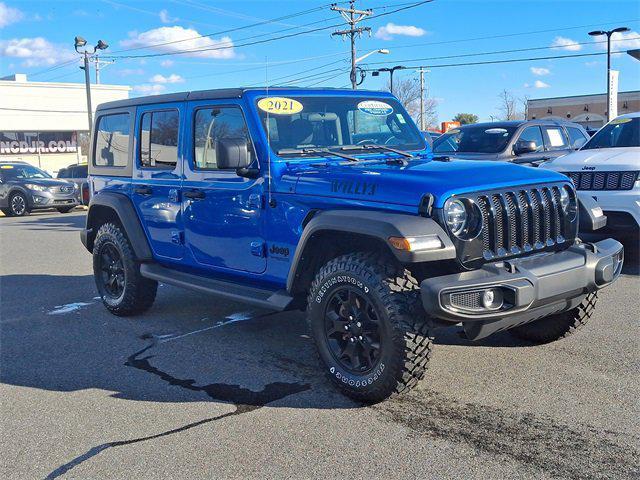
(492,299)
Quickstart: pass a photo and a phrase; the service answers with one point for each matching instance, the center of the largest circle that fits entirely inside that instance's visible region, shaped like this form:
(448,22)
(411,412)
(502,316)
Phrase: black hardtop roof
(215,94)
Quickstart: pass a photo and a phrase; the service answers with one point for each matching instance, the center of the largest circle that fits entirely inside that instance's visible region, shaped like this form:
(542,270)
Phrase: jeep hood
(598,159)
(405,185)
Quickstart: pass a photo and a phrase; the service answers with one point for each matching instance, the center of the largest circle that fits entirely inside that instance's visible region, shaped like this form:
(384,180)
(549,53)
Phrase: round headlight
(455,214)
(567,202)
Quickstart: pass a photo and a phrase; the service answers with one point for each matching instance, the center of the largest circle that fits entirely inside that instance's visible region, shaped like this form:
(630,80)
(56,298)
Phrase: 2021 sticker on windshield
(280,105)
(375,107)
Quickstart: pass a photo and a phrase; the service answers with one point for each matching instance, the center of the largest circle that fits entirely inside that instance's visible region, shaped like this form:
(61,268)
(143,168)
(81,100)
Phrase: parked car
(330,201)
(78,174)
(527,142)
(607,168)
(24,188)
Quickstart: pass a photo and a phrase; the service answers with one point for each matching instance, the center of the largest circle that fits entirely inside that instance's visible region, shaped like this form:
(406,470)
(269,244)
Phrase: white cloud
(540,84)
(149,89)
(390,29)
(566,44)
(166,18)
(173,78)
(35,51)
(166,63)
(620,41)
(540,71)
(187,38)
(9,15)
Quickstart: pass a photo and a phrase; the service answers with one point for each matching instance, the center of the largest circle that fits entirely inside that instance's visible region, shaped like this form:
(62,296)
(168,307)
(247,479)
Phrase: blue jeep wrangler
(330,201)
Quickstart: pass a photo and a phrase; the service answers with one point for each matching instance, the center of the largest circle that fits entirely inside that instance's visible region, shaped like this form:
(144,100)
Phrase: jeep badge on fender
(289,198)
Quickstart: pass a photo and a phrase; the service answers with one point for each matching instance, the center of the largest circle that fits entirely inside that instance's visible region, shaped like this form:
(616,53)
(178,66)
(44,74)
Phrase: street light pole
(81,42)
(609,33)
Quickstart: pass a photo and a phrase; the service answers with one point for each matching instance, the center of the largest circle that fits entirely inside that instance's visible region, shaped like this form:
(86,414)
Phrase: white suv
(607,168)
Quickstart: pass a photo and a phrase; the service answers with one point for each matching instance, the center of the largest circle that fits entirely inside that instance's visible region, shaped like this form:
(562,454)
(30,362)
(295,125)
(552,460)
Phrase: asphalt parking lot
(199,387)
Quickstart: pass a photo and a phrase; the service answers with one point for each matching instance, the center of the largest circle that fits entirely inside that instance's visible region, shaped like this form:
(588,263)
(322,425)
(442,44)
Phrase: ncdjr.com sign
(37,146)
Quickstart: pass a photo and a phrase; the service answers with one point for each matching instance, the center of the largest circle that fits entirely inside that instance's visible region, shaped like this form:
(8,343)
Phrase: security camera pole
(608,33)
(81,42)
(352,17)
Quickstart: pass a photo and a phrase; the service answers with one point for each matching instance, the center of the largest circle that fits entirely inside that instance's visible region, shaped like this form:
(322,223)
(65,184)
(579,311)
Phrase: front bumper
(52,200)
(528,288)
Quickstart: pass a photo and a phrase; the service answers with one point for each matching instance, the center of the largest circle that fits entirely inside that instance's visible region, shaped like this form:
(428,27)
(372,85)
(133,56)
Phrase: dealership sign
(12,143)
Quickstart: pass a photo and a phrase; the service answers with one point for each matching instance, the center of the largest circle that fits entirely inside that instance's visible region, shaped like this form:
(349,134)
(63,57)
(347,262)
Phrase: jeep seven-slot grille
(520,221)
(603,180)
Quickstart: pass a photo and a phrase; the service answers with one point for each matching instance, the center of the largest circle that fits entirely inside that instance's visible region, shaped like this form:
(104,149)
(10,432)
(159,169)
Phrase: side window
(533,134)
(211,125)
(82,172)
(576,137)
(556,139)
(159,139)
(62,173)
(112,141)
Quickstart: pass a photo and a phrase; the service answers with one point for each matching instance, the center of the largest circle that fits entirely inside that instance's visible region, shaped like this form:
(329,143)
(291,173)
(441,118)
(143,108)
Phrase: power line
(497,52)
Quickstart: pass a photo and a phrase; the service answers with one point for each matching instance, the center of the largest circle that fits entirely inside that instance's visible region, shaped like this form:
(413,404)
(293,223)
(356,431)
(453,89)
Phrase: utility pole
(95,59)
(423,123)
(86,54)
(352,16)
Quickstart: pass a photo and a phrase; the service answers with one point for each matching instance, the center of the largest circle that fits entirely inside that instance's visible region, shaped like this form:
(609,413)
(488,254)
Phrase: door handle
(194,194)
(143,190)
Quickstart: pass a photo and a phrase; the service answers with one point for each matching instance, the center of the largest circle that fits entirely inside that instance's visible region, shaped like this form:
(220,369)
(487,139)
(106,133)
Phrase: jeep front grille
(603,180)
(521,221)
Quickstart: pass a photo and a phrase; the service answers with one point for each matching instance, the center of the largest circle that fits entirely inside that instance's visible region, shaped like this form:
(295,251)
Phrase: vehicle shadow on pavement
(64,223)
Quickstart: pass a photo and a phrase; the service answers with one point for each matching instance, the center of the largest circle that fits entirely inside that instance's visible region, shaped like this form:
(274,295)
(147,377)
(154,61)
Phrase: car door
(223,212)
(157,177)
(556,141)
(531,133)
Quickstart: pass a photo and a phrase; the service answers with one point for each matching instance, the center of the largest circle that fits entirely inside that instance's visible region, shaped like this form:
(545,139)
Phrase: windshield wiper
(373,146)
(318,151)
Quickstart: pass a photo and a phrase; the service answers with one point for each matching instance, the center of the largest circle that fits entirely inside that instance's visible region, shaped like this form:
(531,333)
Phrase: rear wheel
(555,327)
(371,334)
(18,206)
(117,274)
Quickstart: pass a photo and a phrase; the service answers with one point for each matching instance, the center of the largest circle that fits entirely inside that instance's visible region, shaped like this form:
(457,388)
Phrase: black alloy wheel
(18,205)
(112,270)
(353,331)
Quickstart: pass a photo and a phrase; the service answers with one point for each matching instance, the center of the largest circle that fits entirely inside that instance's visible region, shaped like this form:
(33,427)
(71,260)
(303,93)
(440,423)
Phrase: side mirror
(232,152)
(522,146)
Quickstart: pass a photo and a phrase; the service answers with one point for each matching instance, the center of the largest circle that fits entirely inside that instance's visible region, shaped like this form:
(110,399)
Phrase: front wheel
(18,206)
(555,327)
(371,334)
(117,274)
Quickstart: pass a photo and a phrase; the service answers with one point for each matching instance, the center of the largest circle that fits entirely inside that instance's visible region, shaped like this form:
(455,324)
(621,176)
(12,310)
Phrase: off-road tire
(12,211)
(394,294)
(555,327)
(65,209)
(139,292)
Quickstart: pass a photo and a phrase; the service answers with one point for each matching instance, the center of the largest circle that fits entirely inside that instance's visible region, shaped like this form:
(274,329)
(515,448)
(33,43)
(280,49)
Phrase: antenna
(268,128)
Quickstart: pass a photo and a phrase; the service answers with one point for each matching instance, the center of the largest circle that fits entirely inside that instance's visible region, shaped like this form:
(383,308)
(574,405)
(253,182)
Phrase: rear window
(112,140)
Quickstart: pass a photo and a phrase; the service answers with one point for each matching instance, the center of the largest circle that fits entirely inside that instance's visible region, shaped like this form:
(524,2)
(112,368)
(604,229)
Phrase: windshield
(474,139)
(20,172)
(306,123)
(621,132)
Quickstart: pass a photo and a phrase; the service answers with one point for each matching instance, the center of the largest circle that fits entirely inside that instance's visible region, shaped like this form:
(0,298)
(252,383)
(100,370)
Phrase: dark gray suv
(24,187)
(527,142)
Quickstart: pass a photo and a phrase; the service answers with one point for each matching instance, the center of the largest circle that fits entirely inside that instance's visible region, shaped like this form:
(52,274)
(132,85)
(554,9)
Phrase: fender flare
(124,210)
(588,222)
(379,226)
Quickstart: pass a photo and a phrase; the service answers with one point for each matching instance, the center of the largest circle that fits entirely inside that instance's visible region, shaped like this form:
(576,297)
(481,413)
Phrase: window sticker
(496,131)
(280,105)
(400,118)
(618,121)
(374,107)
(555,137)
(6,167)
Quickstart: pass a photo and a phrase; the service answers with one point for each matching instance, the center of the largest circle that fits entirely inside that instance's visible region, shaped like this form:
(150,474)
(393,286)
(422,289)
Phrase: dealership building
(590,111)
(45,123)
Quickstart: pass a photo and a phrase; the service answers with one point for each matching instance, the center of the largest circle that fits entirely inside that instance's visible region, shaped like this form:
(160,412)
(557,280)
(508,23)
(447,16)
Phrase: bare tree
(525,106)
(507,106)
(407,90)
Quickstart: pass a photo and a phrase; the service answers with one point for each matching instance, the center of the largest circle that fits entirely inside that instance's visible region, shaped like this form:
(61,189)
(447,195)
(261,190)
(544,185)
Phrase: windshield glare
(621,132)
(15,172)
(474,139)
(334,122)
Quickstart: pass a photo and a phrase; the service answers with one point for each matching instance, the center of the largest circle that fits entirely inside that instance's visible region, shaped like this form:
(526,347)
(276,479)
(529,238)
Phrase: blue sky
(37,36)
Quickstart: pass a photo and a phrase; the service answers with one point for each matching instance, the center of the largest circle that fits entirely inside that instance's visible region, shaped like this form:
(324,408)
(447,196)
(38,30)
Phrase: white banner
(612,101)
